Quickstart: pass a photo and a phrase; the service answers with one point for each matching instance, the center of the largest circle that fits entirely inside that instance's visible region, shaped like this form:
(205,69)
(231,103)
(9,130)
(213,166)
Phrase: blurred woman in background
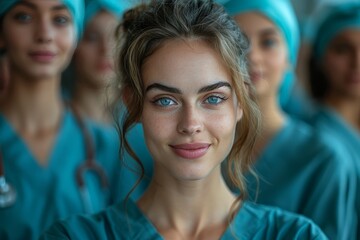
(298,169)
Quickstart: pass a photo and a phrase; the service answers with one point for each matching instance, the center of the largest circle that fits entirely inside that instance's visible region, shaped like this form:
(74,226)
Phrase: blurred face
(93,60)
(268,53)
(39,38)
(190,110)
(341,64)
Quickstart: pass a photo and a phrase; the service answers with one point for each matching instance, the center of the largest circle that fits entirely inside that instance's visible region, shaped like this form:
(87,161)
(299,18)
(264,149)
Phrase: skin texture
(179,110)
(33,105)
(268,62)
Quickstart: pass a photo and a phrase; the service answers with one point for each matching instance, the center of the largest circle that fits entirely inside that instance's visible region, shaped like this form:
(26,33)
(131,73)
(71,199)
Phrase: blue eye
(214,100)
(164,102)
(61,20)
(269,42)
(23,17)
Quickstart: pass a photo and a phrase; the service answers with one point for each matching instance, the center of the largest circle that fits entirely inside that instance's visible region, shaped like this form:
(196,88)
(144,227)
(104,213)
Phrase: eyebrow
(178,91)
(33,6)
(268,31)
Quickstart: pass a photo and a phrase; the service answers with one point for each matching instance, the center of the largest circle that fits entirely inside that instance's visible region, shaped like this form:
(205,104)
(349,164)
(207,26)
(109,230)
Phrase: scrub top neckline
(8,131)
(275,138)
(251,224)
(347,129)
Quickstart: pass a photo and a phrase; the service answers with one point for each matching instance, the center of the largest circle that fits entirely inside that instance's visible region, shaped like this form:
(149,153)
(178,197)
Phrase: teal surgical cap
(282,14)
(115,7)
(335,19)
(76,7)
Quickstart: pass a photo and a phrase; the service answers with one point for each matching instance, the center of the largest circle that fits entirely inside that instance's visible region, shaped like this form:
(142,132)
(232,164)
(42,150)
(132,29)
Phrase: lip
(255,76)
(190,150)
(42,56)
(105,66)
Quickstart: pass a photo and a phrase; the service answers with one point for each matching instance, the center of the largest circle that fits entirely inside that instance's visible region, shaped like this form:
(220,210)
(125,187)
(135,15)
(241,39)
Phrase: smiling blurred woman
(42,142)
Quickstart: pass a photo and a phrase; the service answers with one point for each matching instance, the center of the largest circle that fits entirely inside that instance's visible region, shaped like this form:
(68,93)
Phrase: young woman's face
(39,38)
(190,110)
(268,53)
(341,64)
(94,62)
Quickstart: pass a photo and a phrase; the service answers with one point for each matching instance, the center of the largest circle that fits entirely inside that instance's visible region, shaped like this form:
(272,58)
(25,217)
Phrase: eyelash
(24,17)
(220,99)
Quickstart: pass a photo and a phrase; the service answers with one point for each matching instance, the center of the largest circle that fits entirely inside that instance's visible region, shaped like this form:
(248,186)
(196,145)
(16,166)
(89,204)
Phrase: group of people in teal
(178,119)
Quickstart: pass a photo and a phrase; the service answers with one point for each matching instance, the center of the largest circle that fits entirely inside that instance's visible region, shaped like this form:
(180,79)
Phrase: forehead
(184,62)
(254,22)
(349,35)
(40,5)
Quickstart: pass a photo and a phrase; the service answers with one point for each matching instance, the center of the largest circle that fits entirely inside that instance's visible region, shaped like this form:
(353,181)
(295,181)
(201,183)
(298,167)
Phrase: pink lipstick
(190,150)
(42,56)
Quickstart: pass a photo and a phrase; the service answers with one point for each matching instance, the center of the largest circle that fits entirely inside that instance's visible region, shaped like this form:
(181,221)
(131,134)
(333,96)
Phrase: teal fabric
(329,122)
(126,221)
(116,7)
(76,8)
(281,13)
(49,193)
(304,172)
(331,21)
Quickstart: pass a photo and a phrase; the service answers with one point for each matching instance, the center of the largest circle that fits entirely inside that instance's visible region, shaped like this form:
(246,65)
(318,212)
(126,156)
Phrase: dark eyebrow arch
(214,86)
(33,6)
(269,31)
(178,91)
(163,88)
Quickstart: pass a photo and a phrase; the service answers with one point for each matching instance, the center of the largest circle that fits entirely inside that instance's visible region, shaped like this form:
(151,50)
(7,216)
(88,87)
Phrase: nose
(44,32)
(107,47)
(190,121)
(254,55)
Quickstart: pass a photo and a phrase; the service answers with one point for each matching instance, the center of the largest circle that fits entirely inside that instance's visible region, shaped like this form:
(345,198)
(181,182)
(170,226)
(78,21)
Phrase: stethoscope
(8,193)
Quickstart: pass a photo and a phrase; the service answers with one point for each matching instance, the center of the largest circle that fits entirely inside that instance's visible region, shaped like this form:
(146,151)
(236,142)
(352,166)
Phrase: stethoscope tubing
(8,193)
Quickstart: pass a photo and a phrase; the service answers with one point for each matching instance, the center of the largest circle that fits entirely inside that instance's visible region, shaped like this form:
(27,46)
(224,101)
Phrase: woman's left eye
(268,43)
(61,20)
(214,100)
(164,102)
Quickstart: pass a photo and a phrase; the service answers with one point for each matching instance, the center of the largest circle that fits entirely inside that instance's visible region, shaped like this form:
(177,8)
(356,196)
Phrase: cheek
(157,126)
(85,57)
(67,41)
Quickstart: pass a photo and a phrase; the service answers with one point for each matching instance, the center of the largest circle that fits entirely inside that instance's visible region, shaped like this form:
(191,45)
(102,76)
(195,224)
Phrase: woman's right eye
(164,102)
(23,17)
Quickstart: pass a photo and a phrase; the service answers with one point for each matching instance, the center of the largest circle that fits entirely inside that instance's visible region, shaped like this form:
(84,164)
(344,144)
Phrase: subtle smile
(190,150)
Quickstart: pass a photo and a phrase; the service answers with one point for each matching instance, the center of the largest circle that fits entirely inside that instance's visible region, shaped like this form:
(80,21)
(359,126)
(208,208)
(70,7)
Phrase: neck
(273,119)
(349,109)
(188,208)
(92,102)
(31,105)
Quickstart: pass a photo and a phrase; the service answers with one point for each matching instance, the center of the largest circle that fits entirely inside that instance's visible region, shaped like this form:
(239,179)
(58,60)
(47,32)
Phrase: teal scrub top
(126,221)
(299,171)
(49,193)
(331,123)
